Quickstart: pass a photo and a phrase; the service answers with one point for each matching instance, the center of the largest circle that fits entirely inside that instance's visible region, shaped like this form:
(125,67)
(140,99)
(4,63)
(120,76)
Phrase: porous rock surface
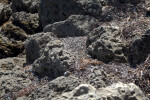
(25,5)
(11,76)
(75,25)
(11,31)
(35,45)
(53,11)
(118,91)
(104,43)
(54,59)
(139,49)
(55,87)
(28,22)
(5,12)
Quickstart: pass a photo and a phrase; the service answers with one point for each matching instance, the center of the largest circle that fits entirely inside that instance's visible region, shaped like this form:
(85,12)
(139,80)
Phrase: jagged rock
(26,21)
(55,87)
(35,45)
(104,43)
(53,11)
(118,91)
(5,12)
(54,59)
(11,31)
(25,5)
(9,48)
(139,49)
(75,25)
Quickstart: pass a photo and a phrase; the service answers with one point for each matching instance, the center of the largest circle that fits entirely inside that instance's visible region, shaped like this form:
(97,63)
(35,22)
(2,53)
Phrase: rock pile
(56,36)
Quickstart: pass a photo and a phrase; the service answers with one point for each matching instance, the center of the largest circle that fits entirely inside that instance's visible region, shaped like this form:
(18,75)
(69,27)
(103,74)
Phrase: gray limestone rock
(54,59)
(58,10)
(35,44)
(118,91)
(104,43)
(55,87)
(75,25)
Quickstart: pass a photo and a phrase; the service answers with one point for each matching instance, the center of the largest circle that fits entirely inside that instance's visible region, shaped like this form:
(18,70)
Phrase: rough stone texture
(25,5)
(75,25)
(55,87)
(53,11)
(1,10)
(9,48)
(104,43)
(35,45)
(118,91)
(11,76)
(140,49)
(28,22)
(97,78)
(54,59)
(11,31)
(5,12)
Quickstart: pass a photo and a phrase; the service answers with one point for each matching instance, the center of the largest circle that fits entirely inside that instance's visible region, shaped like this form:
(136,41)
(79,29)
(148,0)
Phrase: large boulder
(5,12)
(75,25)
(54,59)
(11,31)
(55,87)
(53,11)
(25,5)
(35,44)
(118,91)
(26,21)
(139,49)
(104,43)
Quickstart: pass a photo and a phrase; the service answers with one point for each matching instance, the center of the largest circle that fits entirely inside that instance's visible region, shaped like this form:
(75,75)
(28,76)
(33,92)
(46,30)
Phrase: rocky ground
(74,50)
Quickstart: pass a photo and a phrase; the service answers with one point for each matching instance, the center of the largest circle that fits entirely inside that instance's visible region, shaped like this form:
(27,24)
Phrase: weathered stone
(54,59)
(139,49)
(118,91)
(11,76)
(35,44)
(104,43)
(75,25)
(5,12)
(25,5)
(11,31)
(9,49)
(97,78)
(53,11)
(26,21)
(55,87)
